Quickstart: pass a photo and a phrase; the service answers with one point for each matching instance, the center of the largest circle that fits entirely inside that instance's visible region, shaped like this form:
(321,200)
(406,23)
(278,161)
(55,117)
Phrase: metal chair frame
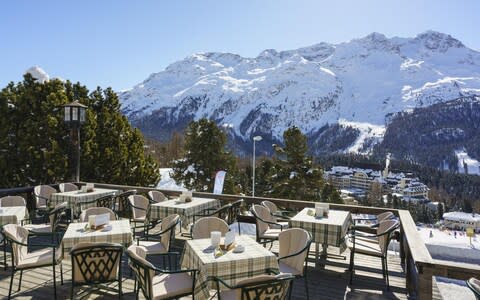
(259,219)
(53,263)
(122,208)
(171,228)
(144,279)
(278,288)
(383,256)
(222,212)
(304,273)
(101,271)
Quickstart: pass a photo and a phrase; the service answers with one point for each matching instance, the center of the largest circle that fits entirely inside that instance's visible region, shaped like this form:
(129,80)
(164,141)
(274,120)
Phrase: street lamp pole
(74,115)
(255,139)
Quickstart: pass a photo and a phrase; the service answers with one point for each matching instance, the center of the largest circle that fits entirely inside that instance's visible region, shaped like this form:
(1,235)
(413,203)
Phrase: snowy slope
(358,81)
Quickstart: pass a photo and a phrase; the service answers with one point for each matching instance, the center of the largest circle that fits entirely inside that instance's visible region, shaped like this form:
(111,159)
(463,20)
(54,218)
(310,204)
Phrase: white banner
(219,179)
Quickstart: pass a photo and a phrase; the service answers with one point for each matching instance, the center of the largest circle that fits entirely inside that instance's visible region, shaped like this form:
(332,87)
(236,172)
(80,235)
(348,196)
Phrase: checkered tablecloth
(12,214)
(185,210)
(115,232)
(329,230)
(75,197)
(230,267)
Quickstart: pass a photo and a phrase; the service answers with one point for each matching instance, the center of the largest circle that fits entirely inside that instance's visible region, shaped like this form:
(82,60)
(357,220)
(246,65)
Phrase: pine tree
(205,155)
(296,176)
(38,146)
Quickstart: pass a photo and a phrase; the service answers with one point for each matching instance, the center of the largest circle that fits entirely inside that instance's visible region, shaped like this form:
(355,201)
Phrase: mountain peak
(375,37)
(437,41)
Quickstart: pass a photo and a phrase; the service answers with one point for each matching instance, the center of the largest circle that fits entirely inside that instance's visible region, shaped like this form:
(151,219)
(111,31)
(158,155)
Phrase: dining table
(78,200)
(230,266)
(117,231)
(329,230)
(186,210)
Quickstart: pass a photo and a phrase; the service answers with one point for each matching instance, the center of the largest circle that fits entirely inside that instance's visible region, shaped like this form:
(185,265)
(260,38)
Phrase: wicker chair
(160,242)
(221,213)
(202,228)
(236,209)
(373,247)
(96,263)
(18,237)
(54,222)
(9,201)
(265,231)
(67,187)
(258,287)
(122,205)
(169,282)
(42,196)
(140,207)
(278,216)
(157,196)
(294,245)
(97,211)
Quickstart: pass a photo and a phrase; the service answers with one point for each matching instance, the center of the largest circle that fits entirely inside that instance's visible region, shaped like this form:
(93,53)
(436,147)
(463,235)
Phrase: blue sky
(119,43)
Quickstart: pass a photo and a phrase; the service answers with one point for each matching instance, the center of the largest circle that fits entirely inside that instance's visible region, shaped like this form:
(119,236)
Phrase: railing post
(425,277)
(402,246)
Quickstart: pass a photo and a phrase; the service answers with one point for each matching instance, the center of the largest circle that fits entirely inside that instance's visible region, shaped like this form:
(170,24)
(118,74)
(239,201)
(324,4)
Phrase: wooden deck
(328,283)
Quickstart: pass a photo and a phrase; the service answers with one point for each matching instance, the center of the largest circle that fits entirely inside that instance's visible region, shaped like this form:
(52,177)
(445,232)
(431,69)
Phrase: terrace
(412,272)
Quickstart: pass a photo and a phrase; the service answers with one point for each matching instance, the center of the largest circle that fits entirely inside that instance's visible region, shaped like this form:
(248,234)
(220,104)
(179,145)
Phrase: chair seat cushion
(229,294)
(365,247)
(170,285)
(271,233)
(44,228)
(153,247)
(284,268)
(42,257)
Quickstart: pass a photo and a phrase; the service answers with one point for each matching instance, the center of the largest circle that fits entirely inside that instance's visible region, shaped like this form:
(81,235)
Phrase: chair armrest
(218,280)
(137,207)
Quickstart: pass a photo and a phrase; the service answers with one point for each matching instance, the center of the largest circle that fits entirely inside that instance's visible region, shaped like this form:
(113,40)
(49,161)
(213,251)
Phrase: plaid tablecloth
(116,232)
(185,210)
(74,197)
(230,267)
(329,230)
(12,214)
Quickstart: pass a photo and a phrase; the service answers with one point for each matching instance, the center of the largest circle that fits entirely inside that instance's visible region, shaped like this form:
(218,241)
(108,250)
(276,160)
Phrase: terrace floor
(328,283)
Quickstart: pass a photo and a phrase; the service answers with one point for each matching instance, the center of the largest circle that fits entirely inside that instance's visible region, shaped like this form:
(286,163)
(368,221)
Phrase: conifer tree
(205,155)
(296,176)
(36,144)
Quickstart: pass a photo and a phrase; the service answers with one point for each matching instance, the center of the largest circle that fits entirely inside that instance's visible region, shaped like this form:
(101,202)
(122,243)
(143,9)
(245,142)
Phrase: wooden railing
(418,264)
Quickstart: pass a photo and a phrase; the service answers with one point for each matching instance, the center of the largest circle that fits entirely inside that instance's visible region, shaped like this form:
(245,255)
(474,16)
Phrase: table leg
(316,255)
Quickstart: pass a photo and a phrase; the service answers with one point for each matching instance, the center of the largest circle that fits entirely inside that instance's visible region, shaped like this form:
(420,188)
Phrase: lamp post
(255,139)
(74,116)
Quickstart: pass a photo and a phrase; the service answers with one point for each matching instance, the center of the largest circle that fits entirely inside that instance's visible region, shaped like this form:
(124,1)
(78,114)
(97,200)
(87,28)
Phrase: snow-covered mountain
(356,84)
